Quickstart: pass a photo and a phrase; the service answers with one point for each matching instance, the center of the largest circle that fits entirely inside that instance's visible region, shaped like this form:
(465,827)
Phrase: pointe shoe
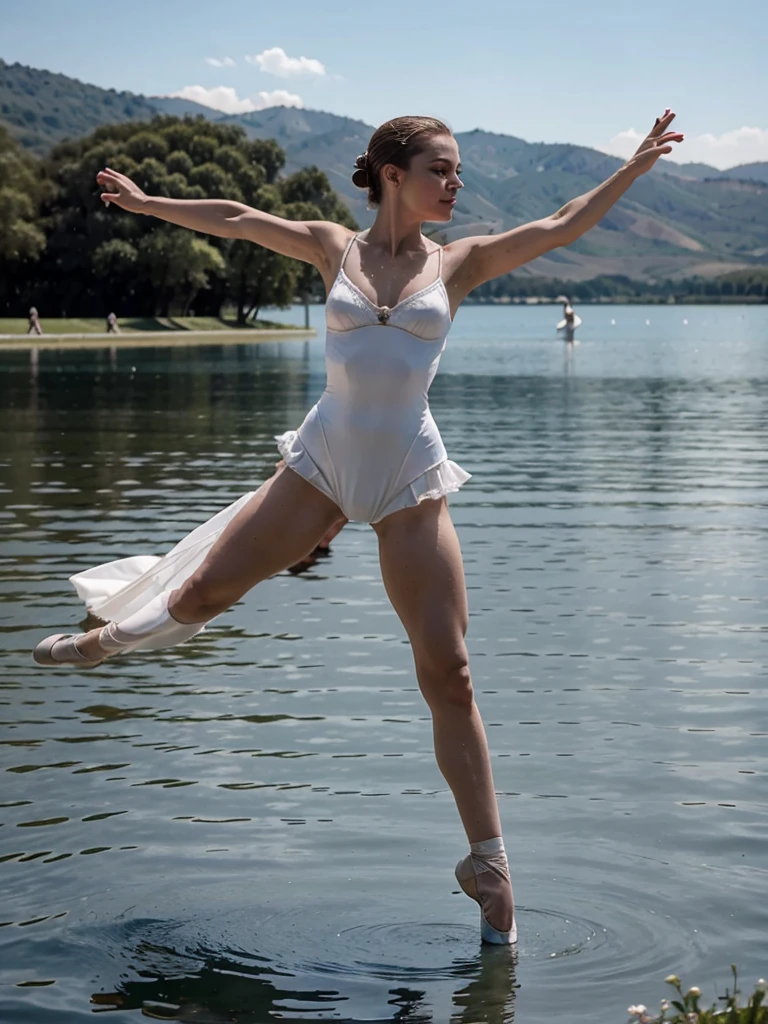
(67,652)
(111,641)
(492,871)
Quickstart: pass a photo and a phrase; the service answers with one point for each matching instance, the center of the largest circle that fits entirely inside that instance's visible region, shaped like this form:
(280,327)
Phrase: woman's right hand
(121,191)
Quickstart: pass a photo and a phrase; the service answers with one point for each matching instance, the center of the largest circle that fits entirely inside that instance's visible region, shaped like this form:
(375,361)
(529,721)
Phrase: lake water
(252,827)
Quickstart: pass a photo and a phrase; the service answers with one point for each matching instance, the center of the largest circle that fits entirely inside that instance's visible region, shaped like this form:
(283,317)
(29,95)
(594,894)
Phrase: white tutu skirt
(115,590)
(438,481)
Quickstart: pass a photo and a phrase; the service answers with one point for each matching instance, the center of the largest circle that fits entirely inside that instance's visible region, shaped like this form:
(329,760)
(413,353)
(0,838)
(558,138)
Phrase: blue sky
(552,70)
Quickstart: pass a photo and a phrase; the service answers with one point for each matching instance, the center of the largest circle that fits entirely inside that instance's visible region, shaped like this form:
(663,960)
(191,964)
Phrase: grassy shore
(138,325)
(143,332)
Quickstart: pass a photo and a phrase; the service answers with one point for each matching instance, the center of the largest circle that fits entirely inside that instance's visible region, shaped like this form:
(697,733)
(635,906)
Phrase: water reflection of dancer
(369,450)
(215,987)
(321,550)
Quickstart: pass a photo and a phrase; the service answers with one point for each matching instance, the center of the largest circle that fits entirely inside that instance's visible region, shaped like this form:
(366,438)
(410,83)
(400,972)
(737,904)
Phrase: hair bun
(360,176)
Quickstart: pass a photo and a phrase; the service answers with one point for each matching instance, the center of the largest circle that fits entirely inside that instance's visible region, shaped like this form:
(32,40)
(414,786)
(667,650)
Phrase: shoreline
(152,339)
(630,300)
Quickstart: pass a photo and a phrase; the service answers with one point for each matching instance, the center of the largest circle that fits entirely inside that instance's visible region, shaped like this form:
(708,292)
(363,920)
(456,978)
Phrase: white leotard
(370,443)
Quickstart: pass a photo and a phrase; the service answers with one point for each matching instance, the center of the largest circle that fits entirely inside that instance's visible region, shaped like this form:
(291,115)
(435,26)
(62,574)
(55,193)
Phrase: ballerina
(369,450)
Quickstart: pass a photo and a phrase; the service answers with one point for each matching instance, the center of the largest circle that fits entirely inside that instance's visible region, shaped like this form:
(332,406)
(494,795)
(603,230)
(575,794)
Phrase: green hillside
(41,108)
(748,172)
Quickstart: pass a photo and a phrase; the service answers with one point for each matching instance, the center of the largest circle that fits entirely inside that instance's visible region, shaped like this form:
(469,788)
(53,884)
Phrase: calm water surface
(252,827)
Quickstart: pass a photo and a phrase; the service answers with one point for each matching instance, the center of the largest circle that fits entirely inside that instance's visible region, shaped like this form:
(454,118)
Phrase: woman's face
(428,188)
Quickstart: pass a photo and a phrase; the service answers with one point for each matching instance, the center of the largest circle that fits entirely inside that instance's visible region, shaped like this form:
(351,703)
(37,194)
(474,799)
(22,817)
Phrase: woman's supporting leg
(424,576)
(275,529)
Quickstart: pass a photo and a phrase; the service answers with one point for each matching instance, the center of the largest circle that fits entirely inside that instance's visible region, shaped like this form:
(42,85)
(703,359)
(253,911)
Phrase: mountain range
(679,220)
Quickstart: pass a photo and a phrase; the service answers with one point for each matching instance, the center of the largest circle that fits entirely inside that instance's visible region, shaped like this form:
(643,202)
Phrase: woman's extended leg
(424,576)
(275,529)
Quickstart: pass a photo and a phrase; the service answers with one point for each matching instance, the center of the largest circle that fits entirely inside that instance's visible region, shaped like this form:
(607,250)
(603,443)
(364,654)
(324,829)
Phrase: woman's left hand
(657,143)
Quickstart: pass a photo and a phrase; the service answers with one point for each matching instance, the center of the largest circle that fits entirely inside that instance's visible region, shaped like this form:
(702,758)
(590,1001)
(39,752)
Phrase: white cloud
(743,145)
(225,99)
(221,97)
(223,62)
(277,62)
(277,98)
(624,144)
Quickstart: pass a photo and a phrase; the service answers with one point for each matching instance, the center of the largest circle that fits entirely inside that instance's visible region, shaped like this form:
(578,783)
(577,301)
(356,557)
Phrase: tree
(311,185)
(20,238)
(257,276)
(267,154)
(308,285)
(308,195)
(116,263)
(88,260)
(98,257)
(22,190)
(179,264)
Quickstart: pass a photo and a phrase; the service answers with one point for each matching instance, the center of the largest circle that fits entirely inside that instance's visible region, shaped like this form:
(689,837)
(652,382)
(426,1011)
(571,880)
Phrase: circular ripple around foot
(548,934)
(417,950)
(623,935)
(427,951)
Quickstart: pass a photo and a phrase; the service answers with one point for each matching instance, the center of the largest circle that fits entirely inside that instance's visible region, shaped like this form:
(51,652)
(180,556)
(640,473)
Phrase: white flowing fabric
(115,590)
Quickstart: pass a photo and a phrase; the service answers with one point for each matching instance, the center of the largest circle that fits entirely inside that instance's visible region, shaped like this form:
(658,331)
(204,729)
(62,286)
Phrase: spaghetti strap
(350,243)
(439,263)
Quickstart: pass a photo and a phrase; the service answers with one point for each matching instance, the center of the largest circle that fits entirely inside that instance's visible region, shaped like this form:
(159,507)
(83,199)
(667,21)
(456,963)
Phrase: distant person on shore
(569,323)
(34,322)
(369,450)
(112,325)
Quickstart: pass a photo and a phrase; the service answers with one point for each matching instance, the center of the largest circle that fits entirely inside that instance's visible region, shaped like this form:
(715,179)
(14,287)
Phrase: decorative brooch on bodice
(384,313)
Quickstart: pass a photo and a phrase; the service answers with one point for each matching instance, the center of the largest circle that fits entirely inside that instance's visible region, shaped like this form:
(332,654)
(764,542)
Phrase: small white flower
(694,991)
(761,986)
(664,1005)
(672,979)
(636,1011)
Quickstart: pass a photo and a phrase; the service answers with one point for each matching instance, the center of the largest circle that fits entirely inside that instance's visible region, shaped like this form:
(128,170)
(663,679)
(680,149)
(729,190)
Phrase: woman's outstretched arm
(489,256)
(314,242)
